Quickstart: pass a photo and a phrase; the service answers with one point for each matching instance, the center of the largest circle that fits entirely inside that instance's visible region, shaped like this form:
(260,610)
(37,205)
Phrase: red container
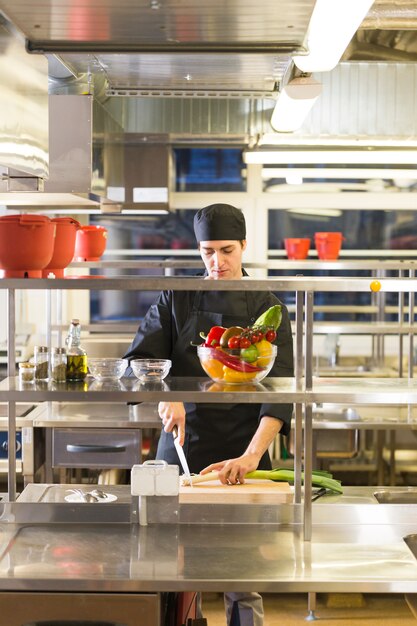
(328,245)
(66,232)
(26,244)
(90,243)
(297,248)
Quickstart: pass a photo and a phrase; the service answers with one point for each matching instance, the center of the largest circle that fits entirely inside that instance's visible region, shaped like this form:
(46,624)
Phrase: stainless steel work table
(191,389)
(363,551)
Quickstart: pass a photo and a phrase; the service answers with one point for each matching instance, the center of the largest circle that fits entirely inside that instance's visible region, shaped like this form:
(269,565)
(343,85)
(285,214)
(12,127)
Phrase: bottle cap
(41,348)
(60,351)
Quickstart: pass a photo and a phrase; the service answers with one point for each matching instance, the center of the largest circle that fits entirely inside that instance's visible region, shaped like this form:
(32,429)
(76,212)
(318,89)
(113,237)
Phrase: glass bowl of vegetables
(238,366)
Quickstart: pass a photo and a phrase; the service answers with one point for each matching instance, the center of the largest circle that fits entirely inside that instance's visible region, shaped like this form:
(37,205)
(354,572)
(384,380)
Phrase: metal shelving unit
(303,391)
(287,527)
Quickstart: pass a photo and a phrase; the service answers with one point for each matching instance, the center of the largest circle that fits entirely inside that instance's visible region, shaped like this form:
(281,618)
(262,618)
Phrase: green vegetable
(272,317)
(249,354)
(318,479)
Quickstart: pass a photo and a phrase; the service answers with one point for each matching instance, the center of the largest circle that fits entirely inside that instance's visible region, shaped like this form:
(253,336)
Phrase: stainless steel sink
(405,496)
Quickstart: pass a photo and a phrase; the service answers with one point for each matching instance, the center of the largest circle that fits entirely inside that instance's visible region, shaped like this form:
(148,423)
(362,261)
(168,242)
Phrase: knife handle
(175,431)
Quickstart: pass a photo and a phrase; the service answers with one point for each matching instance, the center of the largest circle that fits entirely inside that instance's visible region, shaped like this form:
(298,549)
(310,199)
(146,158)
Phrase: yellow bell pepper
(264,348)
(234,376)
(213,368)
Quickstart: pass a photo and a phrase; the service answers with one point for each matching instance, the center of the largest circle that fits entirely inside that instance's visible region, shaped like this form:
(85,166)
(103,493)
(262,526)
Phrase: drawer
(96,449)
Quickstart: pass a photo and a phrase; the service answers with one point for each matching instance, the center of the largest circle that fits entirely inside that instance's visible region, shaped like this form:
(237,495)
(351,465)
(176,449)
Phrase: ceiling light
(333,24)
(316,212)
(341,173)
(377,157)
(287,141)
(294,104)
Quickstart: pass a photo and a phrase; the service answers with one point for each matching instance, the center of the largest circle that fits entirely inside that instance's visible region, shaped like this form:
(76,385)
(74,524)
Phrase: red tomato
(234,342)
(244,342)
(270,335)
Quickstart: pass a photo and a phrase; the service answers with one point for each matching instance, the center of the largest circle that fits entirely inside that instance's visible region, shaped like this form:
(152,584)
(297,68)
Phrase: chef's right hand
(173,414)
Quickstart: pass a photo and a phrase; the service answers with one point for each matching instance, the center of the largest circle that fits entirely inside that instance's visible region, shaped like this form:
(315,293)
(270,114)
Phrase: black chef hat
(219,222)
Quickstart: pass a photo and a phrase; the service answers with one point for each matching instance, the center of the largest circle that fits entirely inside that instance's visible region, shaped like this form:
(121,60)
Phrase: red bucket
(26,245)
(328,245)
(297,248)
(66,231)
(90,243)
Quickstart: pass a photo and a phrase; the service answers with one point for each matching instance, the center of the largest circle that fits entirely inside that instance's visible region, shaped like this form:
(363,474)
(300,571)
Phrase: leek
(318,478)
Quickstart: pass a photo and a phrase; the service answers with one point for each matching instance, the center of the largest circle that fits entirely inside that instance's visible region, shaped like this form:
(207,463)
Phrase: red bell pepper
(213,338)
(235,363)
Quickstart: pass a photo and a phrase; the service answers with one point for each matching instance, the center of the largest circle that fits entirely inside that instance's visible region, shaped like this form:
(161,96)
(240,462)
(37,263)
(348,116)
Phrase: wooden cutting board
(251,492)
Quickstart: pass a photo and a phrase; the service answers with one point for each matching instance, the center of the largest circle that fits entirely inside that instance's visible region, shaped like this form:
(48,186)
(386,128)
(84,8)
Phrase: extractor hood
(93,164)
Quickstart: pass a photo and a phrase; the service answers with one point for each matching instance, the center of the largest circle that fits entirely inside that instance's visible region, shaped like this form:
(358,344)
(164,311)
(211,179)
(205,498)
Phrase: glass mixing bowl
(150,370)
(107,369)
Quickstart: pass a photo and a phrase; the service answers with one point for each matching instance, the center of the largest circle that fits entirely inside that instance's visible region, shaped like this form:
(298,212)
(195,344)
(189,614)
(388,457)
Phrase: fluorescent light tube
(333,24)
(281,157)
(341,173)
(294,104)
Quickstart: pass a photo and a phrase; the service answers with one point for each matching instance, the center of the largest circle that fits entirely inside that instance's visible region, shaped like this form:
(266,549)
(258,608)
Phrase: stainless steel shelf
(397,391)
(284,264)
(363,328)
(96,415)
(186,283)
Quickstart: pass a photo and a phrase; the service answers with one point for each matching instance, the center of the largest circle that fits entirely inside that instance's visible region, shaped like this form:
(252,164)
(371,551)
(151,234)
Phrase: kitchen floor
(332,609)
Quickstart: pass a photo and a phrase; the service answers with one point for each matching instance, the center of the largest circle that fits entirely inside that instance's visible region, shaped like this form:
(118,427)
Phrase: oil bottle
(76,355)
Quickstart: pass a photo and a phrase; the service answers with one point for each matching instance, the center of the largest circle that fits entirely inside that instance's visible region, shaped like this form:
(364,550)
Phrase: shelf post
(400,322)
(308,415)
(11,406)
(298,427)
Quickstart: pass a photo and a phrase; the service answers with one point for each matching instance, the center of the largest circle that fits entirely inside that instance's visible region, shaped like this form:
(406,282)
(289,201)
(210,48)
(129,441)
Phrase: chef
(232,439)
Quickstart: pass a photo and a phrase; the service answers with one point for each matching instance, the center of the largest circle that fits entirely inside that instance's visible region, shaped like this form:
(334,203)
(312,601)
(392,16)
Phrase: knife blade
(181,454)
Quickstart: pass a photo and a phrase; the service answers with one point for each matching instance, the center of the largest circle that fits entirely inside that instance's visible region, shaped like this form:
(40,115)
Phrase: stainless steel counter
(361,552)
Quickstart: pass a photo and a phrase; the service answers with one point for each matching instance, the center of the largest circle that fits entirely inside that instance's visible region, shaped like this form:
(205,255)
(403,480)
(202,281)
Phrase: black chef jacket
(214,432)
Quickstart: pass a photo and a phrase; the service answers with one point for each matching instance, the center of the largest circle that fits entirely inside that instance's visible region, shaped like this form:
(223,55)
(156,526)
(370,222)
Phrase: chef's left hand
(233,471)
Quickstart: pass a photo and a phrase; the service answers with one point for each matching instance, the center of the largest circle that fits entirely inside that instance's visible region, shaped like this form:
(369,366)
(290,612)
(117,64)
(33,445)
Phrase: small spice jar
(41,362)
(26,372)
(59,365)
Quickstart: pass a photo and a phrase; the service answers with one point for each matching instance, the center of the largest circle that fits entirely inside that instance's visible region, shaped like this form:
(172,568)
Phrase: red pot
(297,248)
(26,244)
(90,243)
(66,231)
(328,245)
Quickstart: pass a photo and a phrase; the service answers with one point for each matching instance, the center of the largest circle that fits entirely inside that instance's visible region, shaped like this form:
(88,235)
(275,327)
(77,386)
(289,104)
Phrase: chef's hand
(233,471)
(173,414)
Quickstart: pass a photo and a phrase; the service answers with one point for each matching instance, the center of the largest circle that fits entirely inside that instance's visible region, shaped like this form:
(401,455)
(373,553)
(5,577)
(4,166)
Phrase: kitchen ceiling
(210,52)
(186,47)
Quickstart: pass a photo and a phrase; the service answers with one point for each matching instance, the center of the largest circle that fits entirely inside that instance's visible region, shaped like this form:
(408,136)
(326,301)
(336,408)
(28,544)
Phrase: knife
(181,454)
